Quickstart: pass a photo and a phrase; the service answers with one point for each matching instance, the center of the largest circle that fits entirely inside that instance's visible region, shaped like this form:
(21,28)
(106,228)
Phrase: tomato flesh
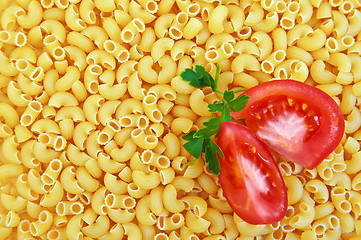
(250,178)
(298,121)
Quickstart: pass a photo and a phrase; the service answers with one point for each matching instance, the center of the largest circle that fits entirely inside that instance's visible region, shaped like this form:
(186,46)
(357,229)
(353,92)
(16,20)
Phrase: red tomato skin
(325,139)
(245,190)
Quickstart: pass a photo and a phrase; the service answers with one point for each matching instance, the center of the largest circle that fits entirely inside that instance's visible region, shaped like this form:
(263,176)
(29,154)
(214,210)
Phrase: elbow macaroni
(92,112)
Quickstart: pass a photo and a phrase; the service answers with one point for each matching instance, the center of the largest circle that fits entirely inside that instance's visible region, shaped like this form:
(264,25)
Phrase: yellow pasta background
(92,110)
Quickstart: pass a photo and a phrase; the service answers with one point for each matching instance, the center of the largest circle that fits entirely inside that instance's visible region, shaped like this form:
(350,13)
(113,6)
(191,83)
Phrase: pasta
(92,110)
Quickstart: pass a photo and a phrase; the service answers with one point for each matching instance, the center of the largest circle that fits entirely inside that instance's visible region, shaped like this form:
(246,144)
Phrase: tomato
(296,120)
(249,176)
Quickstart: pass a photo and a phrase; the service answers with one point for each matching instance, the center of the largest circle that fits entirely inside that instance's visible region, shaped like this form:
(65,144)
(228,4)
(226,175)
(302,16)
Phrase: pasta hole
(4,36)
(59,143)
(290,212)
(95,69)
(76,208)
(157,115)
(24,226)
(60,209)
(33,230)
(49,39)
(43,217)
(150,99)
(129,202)
(227,48)
(142,123)
(47,180)
(205,14)
(278,234)
(74,8)
(85,199)
(123,56)
(107,65)
(128,36)
(151,6)
(20,39)
(147,156)
(280,56)
(36,106)
(211,55)
(93,87)
(106,14)
(346,206)
(114,126)
(103,138)
(293,7)
(267,66)
(21,64)
(55,166)
(92,17)
(348,40)
(58,52)
(125,121)
(334,222)
(26,119)
(151,139)
(281,6)
(53,234)
(268,3)
(176,219)
(193,8)
(176,34)
(44,139)
(319,229)
(182,18)
(287,23)
(163,161)
(7,130)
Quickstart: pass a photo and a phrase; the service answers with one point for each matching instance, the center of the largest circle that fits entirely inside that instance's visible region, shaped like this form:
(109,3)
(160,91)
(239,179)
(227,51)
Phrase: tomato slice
(249,176)
(297,120)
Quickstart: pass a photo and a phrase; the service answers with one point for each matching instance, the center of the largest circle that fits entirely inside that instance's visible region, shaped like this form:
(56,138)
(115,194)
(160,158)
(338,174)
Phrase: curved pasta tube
(320,74)
(341,61)
(86,11)
(96,34)
(33,16)
(73,228)
(69,182)
(268,24)
(98,228)
(26,53)
(55,28)
(216,19)
(160,47)
(143,213)
(6,67)
(9,114)
(91,108)
(107,165)
(24,189)
(73,20)
(170,201)
(81,133)
(11,153)
(77,55)
(114,92)
(197,103)
(124,216)
(43,223)
(60,99)
(353,121)
(106,111)
(135,10)
(114,185)
(135,87)
(54,195)
(146,181)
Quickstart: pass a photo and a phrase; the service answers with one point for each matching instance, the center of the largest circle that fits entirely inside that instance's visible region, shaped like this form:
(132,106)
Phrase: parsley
(199,141)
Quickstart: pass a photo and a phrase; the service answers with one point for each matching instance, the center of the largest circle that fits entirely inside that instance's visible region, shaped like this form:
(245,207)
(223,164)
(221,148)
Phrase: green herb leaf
(228,96)
(189,136)
(239,103)
(200,140)
(226,115)
(211,157)
(194,147)
(191,163)
(216,107)
(204,77)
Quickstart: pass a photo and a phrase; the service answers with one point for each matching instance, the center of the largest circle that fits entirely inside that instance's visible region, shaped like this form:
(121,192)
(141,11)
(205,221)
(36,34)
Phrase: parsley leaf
(211,149)
(239,103)
(194,147)
(199,141)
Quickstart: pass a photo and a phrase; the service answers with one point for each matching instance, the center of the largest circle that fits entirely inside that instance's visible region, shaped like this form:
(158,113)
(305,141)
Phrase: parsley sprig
(199,141)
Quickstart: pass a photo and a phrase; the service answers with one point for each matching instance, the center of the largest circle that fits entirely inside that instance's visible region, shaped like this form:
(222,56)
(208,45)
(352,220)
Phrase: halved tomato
(249,176)
(297,120)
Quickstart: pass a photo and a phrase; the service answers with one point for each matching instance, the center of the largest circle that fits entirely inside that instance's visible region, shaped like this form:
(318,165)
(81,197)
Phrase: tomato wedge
(249,176)
(297,120)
